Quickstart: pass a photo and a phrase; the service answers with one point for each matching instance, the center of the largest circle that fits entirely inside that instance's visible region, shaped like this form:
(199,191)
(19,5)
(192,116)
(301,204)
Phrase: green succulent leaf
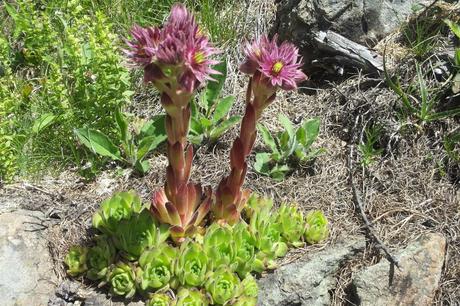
(100,257)
(267,233)
(159,299)
(316,227)
(245,301)
(156,267)
(218,245)
(192,264)
(120,206)
(137,234)
(249,287)
(191,297)
(122,280)
(223,285)
(76,260)
(292,224)
(245,246)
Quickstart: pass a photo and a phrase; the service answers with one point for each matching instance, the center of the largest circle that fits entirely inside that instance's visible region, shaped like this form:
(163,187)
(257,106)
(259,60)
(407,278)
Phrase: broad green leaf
(154,127)
(98,143)
(455,28)
(214,88)
(205,123)
(279,172)
(262,163)
(300,153)
(223,108)
(149,143)
(142,166)
(276,156)
(194,109)
(287,124)
(122,125)
(195,127)
(288,138)
(224,126)
(284,141)
(43,122)
(268,138)
(308,132)
(313,154)
(196,139)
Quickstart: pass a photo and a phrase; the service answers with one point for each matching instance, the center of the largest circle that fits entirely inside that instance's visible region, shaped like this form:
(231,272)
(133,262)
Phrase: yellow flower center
(257,52)
(277,67)
(199,57)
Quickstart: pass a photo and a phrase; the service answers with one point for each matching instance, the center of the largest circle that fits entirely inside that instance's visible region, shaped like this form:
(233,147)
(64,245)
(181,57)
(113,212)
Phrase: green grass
(369,147)
(60,61)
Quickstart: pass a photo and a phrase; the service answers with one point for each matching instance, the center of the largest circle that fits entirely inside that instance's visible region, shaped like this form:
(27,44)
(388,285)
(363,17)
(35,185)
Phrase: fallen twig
(360,205)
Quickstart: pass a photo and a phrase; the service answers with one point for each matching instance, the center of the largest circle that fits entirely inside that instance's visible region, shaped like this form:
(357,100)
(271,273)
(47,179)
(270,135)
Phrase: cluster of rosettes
(134,254)
(179,51)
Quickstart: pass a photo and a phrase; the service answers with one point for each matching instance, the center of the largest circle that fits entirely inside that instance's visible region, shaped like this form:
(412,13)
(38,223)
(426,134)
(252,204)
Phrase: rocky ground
(410,194)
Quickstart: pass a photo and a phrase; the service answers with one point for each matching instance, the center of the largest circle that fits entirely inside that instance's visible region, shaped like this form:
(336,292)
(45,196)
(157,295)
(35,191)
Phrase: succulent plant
(156,267)
(292,224)
(122,280)
(192,264)
(249,287)
(137,234)
(186,216)
(218,245)
(120,206)
(223,285)
(159,299)
(317,227)
(100,257)
(245,301)
(268,235)
(245,247)
(76,260)
(191,297)
(256,203)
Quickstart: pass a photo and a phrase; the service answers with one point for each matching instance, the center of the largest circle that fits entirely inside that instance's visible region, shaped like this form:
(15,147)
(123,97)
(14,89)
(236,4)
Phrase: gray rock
(415,284)
(27,276)
(362,21)
(308,280)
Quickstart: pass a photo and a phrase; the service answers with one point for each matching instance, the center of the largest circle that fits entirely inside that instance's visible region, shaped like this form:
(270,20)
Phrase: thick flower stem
(230,199)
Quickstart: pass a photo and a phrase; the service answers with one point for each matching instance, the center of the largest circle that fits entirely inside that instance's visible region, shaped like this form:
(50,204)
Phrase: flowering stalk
(176,60)
(271,66)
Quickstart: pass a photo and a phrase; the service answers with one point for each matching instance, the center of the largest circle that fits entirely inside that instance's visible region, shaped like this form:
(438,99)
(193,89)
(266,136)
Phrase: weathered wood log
(345,52)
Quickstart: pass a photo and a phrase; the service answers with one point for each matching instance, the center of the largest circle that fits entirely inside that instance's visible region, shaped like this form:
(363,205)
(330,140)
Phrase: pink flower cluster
(178,51)
(275,65)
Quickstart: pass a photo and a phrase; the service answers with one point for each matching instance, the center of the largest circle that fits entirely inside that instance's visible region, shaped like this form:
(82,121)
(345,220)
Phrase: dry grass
(405,192)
